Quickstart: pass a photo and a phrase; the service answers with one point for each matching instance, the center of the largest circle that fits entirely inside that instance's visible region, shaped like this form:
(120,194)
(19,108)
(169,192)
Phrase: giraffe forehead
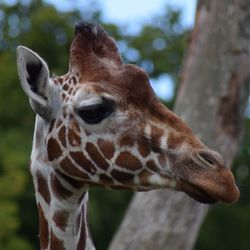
(85,93)
(128,82)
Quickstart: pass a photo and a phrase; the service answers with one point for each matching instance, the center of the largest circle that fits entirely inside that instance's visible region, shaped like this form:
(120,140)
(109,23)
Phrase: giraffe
(102,125)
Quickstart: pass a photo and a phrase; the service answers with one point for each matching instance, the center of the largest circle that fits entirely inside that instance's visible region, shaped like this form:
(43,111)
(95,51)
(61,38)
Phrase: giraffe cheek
(96,157)
(83,162)
(107,148)
(69,168)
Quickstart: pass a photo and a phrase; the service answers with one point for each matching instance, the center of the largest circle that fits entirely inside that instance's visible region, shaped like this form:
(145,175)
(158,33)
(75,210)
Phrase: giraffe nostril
(209,158)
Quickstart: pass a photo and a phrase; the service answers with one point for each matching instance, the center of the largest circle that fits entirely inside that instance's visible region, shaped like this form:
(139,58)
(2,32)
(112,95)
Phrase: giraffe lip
(197,193)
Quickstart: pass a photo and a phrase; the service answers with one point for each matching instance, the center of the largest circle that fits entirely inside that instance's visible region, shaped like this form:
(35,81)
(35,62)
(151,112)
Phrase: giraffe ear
(34,76)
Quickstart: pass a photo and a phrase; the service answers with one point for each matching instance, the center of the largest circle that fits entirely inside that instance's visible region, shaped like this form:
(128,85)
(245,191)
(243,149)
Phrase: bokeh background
(151,34)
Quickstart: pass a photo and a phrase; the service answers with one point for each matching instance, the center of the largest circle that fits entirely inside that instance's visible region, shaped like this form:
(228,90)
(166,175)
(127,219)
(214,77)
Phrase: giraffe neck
(62,202)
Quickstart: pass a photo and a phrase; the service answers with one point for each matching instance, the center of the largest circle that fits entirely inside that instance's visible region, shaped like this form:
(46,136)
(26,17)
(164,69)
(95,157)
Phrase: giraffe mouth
(197,193)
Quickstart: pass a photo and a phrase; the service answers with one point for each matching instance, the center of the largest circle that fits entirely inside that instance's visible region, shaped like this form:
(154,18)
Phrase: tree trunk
(212,97)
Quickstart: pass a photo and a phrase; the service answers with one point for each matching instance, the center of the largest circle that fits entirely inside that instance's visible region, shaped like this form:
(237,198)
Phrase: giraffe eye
(94,114)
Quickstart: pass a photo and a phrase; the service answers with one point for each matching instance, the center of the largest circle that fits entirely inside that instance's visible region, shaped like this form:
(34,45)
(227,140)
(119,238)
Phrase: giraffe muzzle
(206,178)
(210,187)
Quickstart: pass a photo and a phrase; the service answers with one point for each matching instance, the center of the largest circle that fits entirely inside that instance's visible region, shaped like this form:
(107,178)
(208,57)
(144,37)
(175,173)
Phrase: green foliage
(225,228)
(159,48)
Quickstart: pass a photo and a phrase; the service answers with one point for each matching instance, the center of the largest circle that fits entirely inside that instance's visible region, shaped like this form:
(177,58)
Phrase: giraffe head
(102,124)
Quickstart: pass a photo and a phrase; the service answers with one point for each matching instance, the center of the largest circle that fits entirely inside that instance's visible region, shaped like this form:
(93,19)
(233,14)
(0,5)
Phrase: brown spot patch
(73,78)
(60,218)
(126,140)
(58,189)
(43,228)
(83,162)
(43,188)
(65,87)
(74,138)
(54,149)
(56,244)
(152,166)
(143,147)
(62,136)
(128,161)
(63,96)
(96,156)
(122,176)
(70,90)
(68,167)
(107,148)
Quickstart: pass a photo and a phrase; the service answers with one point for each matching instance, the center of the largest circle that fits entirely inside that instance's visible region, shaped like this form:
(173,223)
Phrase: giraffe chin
(197,193)
(208,195)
